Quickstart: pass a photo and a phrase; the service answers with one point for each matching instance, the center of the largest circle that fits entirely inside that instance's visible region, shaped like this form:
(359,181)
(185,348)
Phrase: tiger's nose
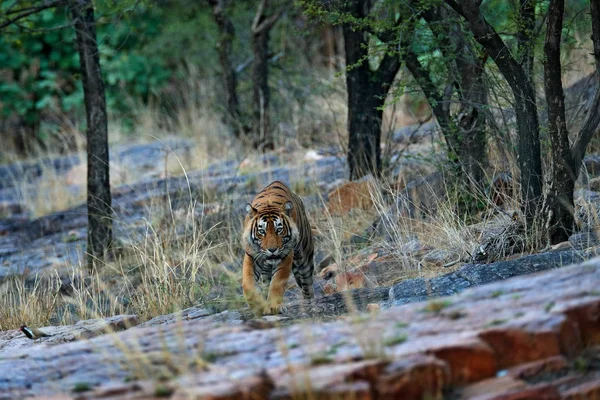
(272,250)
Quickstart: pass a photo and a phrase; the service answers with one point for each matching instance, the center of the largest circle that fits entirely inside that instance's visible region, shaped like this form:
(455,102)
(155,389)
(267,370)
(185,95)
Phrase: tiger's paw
(274,309)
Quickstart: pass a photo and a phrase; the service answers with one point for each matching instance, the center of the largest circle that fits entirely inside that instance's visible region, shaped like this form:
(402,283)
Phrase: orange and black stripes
(277,229)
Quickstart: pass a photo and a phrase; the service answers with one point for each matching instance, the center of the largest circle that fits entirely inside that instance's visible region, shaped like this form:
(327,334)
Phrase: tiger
(277,240)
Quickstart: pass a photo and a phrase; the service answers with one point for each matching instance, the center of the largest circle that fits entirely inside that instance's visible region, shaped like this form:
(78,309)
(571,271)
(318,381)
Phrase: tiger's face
(270,234)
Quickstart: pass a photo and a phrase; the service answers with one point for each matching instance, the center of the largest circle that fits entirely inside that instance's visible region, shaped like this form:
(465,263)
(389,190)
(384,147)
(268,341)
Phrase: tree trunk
(225,49)
(559,196)
(260,91)
(528,132)
(525,36)
(364,115)
(367,91)
(471,119)
(261,29)
(98,189)
(464,132)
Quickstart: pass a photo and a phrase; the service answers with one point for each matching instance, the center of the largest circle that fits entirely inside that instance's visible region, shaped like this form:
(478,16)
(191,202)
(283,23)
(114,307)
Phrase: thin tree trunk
(525,38)
(260,91)
(559,196)
(261,29)
(98,188)
(464,131)
(225,49)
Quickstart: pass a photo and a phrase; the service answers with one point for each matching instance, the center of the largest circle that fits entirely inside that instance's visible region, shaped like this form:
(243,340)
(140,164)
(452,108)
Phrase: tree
(98,188)
(367,88)
(99,240)
(372,30)
(566,158)
(557,211)
(225,49)
(464,129)
(261,29)
(528,127)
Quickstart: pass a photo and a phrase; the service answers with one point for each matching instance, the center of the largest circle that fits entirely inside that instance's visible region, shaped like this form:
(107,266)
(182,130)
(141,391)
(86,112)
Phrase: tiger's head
(270,233)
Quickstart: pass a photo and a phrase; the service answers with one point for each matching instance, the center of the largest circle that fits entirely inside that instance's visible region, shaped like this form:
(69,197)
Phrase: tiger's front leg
(248,283)
(277,287)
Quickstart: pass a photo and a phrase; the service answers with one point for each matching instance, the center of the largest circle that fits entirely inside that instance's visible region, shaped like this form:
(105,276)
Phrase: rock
(322,260)
(546,365)
(583,240)
(439,258)
(351,195)
(583,391)
(350,280)
(592,164)
(518,342)
(413,377)
(258,385)
(469,275)
(412,351)
(86,329)
(506,388)
(587,209)
(594,184)
(373,307)
(501,237)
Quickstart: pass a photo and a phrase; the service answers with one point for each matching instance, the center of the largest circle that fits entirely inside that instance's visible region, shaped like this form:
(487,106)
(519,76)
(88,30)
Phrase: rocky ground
(533,337)
(530,337)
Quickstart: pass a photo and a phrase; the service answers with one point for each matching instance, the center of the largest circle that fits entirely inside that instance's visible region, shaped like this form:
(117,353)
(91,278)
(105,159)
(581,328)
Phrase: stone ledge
(445,348)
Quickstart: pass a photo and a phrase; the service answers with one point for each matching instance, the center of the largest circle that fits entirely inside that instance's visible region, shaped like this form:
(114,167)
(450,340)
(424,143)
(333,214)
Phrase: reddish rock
(585,312)
(373,307)
(118,389)
(57,397)
(250,388)
(584,391)
(413,378)
(350,280)
(530,370)
(359,390)
(350,195)
(491,387)
(319,379)
(532,340)
(514,391)
(470,360)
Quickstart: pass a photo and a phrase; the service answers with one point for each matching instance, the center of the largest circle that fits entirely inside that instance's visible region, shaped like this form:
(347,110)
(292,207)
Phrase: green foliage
(40,69)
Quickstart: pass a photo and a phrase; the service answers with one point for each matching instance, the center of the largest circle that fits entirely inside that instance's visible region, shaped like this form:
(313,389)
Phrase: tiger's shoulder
(276,194)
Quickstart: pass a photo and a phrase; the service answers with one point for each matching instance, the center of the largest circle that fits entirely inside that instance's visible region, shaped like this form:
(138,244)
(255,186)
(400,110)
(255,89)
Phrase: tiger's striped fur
(277,239)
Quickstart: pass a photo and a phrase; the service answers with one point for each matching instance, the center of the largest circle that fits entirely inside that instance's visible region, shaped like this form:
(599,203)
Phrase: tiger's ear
(251,211)
(288,208)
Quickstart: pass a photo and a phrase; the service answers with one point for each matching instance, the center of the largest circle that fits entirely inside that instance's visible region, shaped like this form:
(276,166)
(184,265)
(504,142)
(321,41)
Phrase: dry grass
(169,267)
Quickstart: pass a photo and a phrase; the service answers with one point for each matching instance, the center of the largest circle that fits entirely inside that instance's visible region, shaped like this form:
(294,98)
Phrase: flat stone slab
(415,351)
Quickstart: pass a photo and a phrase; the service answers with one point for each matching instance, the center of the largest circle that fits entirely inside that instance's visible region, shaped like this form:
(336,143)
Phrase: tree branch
(259,24)
(25,12)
